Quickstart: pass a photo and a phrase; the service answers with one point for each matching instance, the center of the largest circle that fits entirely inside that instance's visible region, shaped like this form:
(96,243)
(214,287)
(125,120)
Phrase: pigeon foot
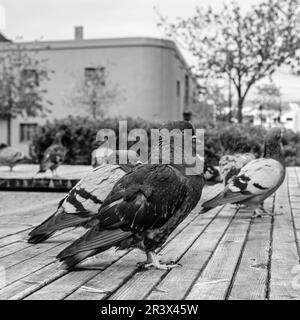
(153,262)
(260,212)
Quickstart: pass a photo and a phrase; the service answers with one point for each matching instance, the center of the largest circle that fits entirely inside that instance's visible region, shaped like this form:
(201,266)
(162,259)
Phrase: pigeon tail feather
(224,198)
(95,240)
(58,221)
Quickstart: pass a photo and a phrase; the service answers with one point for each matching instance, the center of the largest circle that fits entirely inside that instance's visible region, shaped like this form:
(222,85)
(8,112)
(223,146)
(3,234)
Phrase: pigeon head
(184,126)
(58,137)
(181,125)
(177,144)
(211,174)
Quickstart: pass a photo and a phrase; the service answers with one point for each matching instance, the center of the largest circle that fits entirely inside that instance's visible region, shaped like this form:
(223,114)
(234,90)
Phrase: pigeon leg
(261,211)
(54,173)
(153,262)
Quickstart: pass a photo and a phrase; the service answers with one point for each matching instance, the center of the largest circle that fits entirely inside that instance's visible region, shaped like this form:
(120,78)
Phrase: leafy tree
(268,98)
(21,76)
(244,47)
(213,103)
(94,92)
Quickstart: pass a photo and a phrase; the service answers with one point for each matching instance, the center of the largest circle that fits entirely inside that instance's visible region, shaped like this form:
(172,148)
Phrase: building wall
(3,131)
(145,70)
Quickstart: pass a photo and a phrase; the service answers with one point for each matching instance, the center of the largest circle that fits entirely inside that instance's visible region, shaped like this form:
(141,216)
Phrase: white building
(151,74)
(289,116)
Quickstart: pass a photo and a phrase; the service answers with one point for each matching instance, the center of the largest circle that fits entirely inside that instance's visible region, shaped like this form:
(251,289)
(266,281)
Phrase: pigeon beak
(195,139)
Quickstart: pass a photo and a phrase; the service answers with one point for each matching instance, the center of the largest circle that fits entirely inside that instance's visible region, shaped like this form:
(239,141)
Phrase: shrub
(220,138)
(79,136)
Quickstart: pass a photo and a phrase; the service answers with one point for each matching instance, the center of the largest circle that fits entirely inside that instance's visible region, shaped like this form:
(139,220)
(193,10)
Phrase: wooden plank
(45,276)
(141,283)
(23,219)
(177,281)
(67,284)
(250,281)
(16,237)
(35,250)
(112,278)
(16,269)
(17,246)
(294,191)
(32,282)
(284,251)
(54,290)
(29,201)
(215,280)
(29,171)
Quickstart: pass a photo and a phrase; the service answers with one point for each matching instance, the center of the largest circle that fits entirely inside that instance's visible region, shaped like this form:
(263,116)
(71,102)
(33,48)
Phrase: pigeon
(79,207)
(53,156)
(144,207)
(101,154)
(10,156)
(257,180)
(82,203)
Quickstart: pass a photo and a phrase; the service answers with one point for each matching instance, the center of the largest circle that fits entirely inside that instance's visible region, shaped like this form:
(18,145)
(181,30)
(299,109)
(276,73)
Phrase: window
(31,76)
(186,90)
(95,76)
(178,88)
(27,130)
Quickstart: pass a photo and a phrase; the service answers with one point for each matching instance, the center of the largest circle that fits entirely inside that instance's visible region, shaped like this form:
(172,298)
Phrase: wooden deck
(25,177)
(225,254)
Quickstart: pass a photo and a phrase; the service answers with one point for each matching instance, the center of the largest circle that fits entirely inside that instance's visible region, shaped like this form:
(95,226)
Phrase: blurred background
(231,68)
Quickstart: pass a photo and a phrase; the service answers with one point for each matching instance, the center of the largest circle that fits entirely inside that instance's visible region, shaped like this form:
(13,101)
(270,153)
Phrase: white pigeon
(257,180)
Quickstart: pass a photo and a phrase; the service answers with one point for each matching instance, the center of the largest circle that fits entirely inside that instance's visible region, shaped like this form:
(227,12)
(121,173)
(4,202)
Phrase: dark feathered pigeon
(53,156)
(143,208)
(82,203)
(257,180)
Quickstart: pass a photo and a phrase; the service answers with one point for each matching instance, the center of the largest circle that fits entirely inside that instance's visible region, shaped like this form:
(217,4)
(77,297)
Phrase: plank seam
(167,272)
(229,289)
(210,256)
(136,270)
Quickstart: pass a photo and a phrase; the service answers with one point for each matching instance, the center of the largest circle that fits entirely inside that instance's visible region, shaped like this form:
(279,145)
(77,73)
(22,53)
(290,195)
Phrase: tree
(213,103)
(268,98)
(244,47)
(268,95)
(94,92)
(21,76)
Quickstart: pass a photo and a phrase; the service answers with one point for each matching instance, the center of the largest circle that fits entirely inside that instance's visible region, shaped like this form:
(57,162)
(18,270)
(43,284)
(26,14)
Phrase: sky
(29,20)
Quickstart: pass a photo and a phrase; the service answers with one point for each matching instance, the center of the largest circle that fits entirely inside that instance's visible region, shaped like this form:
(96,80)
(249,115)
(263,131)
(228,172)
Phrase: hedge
(220,138)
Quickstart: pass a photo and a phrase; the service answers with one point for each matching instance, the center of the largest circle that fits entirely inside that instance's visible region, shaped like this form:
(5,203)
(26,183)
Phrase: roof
(108,43)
